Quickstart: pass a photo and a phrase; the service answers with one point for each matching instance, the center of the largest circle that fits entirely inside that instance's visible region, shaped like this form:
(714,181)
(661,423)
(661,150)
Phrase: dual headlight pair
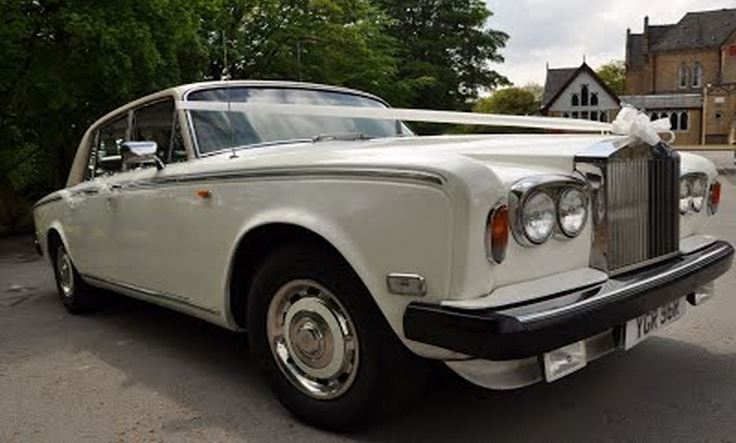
(538,208)
(545,211)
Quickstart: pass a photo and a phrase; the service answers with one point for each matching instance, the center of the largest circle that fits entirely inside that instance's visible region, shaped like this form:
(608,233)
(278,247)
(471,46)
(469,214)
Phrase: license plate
(642,327)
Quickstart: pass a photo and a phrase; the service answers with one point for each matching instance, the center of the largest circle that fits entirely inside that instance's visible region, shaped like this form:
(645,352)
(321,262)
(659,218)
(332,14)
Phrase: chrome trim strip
(145,293)
(372,173)
(46,200)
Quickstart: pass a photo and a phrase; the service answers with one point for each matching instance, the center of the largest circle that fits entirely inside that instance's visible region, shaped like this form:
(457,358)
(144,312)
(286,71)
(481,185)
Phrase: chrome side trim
(46,200)
(147,294)
(280,173)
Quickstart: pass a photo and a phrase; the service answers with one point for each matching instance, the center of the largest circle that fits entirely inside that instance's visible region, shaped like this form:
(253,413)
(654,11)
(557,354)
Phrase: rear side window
(105,156)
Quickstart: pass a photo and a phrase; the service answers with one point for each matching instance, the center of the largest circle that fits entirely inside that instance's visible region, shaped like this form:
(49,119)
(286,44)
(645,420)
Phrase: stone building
(578,93)
(686,72)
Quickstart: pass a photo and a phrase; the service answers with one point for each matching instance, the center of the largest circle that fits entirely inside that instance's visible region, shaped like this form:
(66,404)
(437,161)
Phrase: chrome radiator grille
(636,216)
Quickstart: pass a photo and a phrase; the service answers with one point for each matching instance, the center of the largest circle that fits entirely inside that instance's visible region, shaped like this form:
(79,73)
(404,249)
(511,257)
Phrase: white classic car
(352,252)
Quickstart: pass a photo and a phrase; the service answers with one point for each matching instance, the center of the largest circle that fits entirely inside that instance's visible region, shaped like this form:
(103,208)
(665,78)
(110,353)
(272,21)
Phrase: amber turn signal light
(497,233)
(714,198)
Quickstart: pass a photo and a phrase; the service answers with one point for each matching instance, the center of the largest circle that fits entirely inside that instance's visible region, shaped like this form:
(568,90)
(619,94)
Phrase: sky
(561,32)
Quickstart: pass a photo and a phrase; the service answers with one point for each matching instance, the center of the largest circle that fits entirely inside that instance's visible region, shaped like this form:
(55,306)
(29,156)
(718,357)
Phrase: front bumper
(540,326)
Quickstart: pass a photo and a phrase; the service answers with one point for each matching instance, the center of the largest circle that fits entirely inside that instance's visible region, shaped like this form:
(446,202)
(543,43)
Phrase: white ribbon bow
(635,123)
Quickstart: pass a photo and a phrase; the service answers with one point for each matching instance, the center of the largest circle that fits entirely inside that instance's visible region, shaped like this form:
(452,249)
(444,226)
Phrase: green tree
(613,74)
(65,63)
(513,100)
(340,42)
(446,51)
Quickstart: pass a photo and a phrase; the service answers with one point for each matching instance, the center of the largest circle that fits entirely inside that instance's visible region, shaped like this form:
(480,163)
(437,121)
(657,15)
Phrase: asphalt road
(135,372)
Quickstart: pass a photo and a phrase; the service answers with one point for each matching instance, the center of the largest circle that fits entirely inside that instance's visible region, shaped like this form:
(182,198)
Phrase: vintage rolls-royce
(353,252)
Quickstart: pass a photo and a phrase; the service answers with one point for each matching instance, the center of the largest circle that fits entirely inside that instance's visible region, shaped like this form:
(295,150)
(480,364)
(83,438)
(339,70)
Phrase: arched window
(575,100)
(604,116)
(683,75)
(566,115)
(584,95)
(684,121)
(594,99)
(674,121)
(697,75)
(654,116)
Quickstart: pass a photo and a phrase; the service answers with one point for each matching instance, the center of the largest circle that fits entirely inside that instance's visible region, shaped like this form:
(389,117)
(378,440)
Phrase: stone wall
(667,66)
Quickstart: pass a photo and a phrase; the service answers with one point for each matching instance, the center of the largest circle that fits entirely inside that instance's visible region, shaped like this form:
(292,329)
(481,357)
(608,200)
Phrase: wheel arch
(256,243)
(53,237)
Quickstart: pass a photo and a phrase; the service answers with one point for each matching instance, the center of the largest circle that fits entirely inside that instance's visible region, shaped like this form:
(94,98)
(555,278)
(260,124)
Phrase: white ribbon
(628,122)
(637,124)
(417,115)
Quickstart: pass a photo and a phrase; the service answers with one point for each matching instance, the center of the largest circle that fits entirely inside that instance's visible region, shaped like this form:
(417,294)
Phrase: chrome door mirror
(140,153)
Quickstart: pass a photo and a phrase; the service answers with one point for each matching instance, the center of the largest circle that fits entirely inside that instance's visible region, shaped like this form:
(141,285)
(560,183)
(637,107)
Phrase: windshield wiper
(340,136)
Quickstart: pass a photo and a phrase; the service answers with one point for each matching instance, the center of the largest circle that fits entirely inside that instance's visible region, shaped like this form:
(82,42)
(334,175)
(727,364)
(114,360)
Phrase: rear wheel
(326,350)
(75,294)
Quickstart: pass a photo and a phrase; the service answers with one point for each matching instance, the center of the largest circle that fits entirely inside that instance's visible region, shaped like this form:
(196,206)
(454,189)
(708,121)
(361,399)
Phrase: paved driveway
(135,372)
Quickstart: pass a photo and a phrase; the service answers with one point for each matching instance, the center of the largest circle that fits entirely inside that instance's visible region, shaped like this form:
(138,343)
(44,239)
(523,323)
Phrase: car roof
(180,92)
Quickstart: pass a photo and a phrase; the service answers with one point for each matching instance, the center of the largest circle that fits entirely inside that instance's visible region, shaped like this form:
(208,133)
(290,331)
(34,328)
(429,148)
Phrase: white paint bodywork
(157,238)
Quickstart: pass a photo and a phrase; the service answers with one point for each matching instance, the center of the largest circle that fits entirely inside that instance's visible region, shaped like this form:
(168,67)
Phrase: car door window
(105,158)
(155,123)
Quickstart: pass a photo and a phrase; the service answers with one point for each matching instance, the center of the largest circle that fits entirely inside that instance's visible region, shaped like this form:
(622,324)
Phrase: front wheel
(325,348)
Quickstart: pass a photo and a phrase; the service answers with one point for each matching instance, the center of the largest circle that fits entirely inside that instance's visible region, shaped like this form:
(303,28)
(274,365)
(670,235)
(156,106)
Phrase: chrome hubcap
(64,272)
(313,339)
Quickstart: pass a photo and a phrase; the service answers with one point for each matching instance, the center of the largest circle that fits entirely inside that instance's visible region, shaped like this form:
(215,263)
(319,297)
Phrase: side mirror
(140,153)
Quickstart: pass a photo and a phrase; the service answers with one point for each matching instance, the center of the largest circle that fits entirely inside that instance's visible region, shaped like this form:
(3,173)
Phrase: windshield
(217,130)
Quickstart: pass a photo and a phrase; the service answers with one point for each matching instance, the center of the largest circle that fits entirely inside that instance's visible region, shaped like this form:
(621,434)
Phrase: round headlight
(572,212)
(698,194)
(685,195)
(538,217)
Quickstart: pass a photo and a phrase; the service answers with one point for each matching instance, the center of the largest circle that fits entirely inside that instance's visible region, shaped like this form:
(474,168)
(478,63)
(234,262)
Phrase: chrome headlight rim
(584,206)
(552,211)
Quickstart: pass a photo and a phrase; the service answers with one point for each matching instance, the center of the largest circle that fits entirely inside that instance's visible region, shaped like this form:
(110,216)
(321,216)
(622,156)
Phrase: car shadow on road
(663,389)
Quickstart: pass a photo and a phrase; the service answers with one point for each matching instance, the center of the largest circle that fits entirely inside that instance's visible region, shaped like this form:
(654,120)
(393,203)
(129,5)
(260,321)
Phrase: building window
(594,99)
(674,121)
(575,114)
(584,95)
(584,115)
(654,116)
(719,115)
(684,121)
(575,100)
(683,75)
(594,115)
(697,75)
(566,115)
(604,116)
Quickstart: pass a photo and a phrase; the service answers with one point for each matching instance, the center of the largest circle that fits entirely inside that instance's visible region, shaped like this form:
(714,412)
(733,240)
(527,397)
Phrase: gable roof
(556,79)
(706,29)
(559,79)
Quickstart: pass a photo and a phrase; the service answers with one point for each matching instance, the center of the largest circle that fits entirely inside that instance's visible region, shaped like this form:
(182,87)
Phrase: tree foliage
(445,51)
(613,74)
(513,100)
(65,63)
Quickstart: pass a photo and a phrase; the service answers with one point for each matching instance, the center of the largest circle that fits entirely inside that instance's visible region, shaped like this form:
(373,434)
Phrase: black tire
(79,297)
(387,376)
